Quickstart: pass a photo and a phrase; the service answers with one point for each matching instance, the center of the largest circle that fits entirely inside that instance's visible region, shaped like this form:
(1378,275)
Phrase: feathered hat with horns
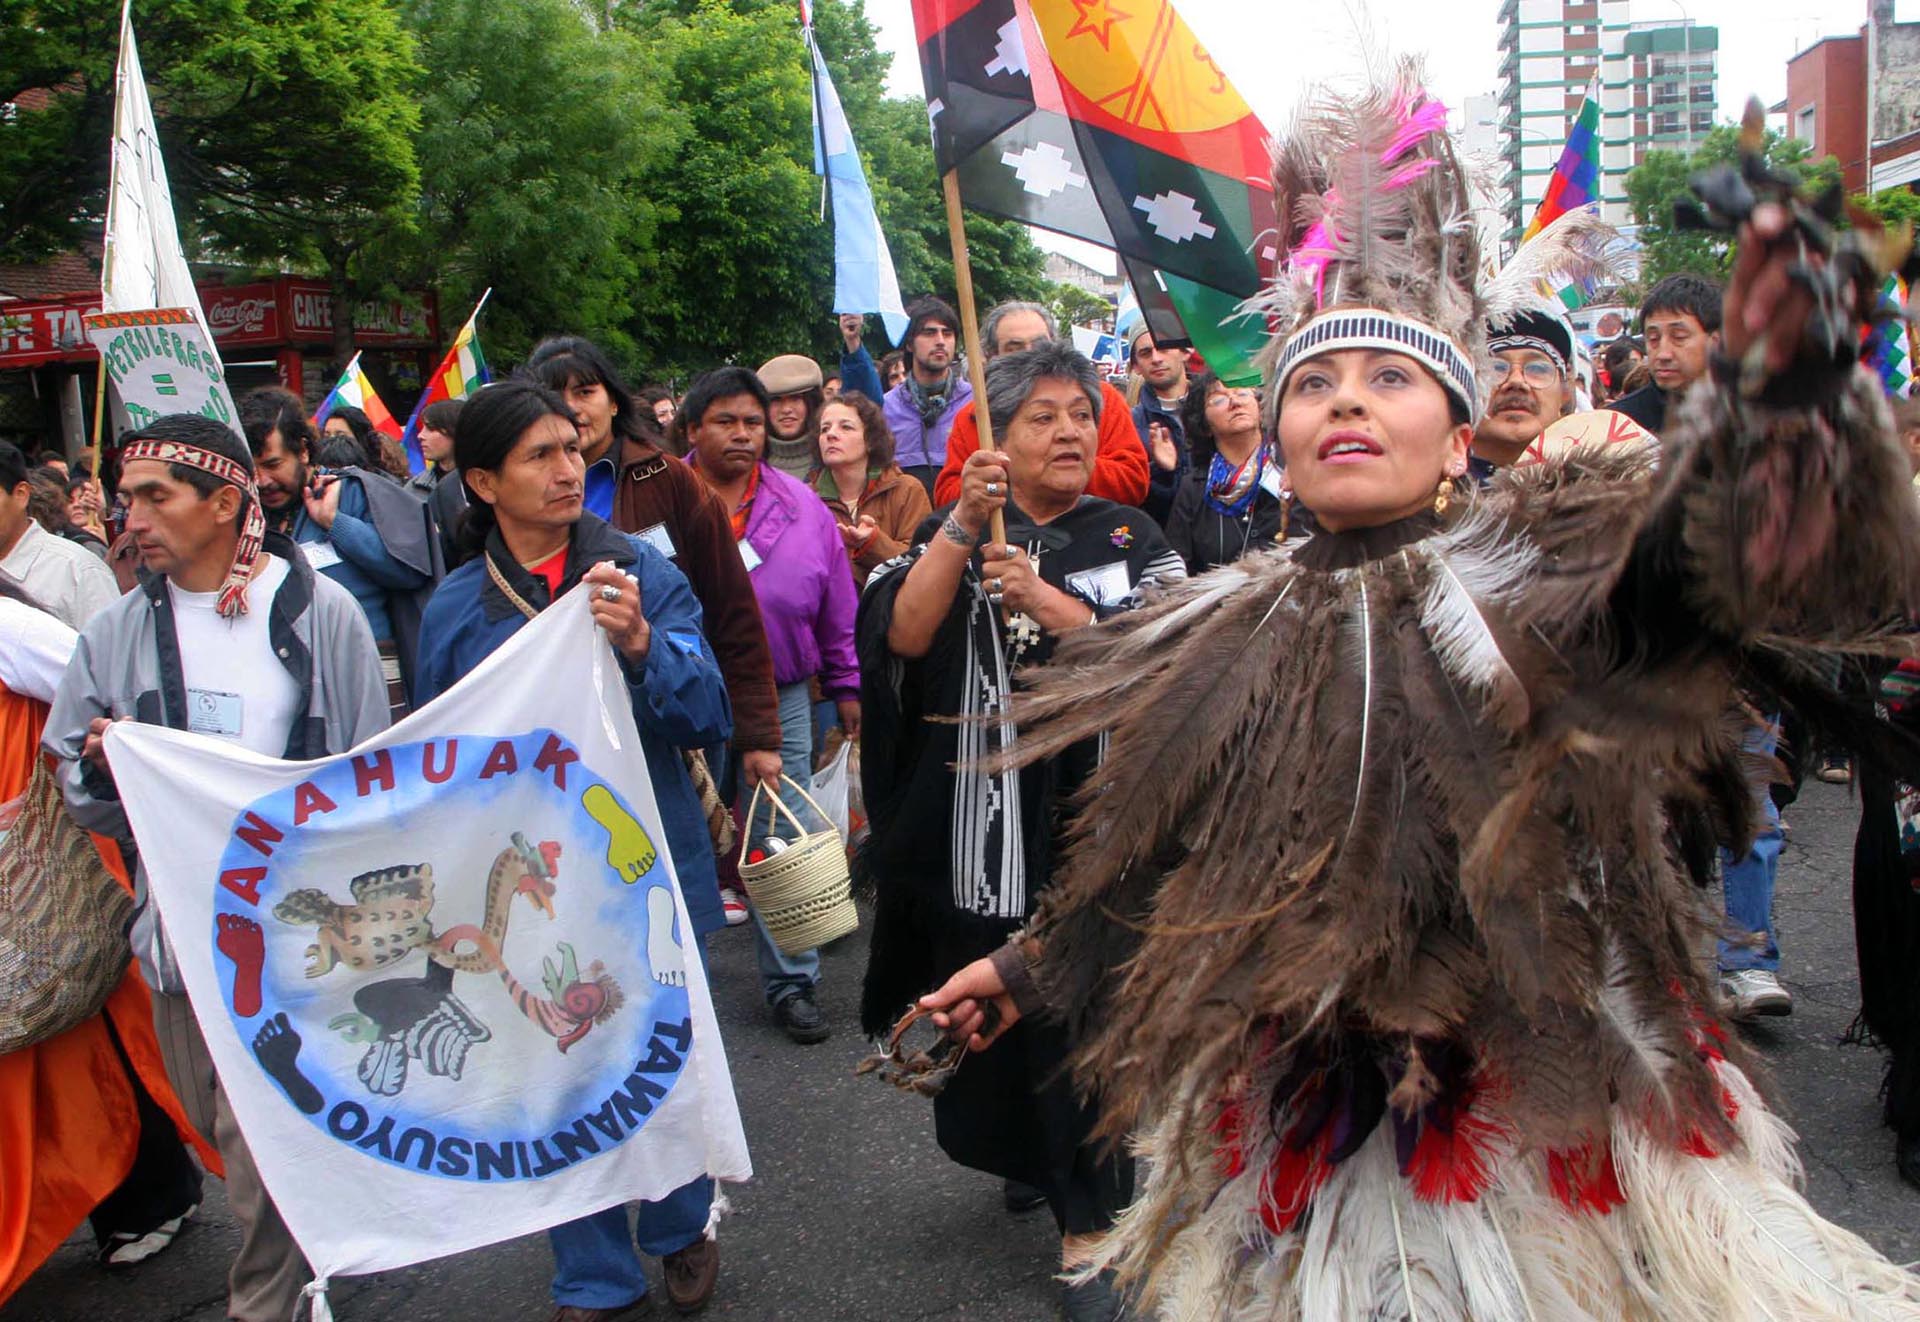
(1383,251)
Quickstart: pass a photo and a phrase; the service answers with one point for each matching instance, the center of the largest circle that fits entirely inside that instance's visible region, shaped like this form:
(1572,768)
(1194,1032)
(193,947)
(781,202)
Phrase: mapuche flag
(1110,125)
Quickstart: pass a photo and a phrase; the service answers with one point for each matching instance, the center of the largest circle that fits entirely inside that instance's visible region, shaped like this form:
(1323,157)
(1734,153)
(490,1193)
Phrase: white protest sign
(160,361)
(447,978)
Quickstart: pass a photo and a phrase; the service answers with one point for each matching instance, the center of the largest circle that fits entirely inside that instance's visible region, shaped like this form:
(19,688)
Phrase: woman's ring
(608,592)
(999,586)
(996,596)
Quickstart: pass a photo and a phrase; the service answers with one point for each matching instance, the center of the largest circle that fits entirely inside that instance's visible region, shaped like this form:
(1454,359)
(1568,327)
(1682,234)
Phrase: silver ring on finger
(993,488)
(999,586)
(608,592)
(996,597)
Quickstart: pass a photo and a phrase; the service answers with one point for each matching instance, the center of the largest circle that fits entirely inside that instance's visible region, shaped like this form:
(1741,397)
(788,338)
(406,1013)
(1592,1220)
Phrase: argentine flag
(863,275)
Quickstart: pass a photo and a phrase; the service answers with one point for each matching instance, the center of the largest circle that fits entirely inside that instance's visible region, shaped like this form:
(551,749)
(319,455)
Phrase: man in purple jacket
(921,409)
(797,563)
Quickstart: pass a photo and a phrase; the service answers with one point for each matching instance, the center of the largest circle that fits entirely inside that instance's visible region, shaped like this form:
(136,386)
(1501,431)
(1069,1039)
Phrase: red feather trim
(1450,1162)
(1293,1178)
(1584,1179)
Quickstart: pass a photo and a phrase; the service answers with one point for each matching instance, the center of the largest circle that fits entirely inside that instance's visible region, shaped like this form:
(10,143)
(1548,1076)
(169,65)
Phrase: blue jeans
(783,975)
(594,1262)
(1748,881)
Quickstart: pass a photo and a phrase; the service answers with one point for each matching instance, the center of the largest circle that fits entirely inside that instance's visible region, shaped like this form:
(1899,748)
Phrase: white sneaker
(1754,992)
(123,1250)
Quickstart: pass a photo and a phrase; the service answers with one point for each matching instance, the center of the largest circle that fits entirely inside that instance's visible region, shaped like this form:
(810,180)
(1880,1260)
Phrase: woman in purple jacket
(798,565)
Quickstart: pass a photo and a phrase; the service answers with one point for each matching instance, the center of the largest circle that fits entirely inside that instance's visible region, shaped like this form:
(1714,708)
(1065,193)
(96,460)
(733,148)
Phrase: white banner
(142,266)
(447,978)
(160,361)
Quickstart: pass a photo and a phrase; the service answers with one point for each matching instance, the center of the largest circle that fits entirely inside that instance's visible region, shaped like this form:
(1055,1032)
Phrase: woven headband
(1546,347)
(253,526)
(1372,328)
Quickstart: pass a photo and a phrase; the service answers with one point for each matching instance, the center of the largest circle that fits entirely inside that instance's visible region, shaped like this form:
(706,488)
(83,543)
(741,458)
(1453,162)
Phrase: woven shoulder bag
(63,920)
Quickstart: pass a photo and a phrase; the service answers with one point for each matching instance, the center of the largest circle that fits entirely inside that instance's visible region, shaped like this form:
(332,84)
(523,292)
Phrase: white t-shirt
(237,688)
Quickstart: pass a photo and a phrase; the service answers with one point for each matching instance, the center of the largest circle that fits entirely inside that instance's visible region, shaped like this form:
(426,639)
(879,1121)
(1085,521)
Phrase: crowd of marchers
(854,565)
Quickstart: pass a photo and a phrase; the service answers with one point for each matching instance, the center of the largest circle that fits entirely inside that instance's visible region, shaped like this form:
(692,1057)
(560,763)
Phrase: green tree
(1660,180)
(1891,205)
(539,174)
(745,264)
(286,124)
(1074,306)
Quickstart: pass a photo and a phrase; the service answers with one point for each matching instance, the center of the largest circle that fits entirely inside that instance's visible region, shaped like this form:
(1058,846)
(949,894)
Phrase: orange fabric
(68,1126)
(1120,469)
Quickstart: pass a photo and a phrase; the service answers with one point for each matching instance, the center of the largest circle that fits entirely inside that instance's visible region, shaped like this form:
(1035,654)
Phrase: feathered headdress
(1382,250)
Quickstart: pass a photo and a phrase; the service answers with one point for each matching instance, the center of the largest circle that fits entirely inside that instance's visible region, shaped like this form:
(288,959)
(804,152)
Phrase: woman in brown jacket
(876,505)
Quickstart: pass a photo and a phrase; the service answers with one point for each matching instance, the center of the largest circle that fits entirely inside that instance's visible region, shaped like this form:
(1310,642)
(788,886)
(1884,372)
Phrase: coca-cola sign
(242,314)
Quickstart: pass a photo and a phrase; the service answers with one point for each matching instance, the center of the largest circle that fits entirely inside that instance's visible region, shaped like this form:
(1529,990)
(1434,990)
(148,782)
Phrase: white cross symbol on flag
(1174,217)
(1043,170)
(1010,56)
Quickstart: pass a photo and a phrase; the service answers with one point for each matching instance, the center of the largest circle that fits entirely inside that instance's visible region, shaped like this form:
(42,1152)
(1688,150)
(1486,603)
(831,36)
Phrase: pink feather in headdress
(1420,117)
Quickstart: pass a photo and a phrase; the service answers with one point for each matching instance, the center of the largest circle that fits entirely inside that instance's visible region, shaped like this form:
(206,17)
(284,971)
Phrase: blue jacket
(679,698)
(857,372)
(366,567)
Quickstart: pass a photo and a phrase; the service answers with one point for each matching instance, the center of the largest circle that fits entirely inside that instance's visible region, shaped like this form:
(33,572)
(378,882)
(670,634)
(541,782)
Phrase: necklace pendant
(1023,632)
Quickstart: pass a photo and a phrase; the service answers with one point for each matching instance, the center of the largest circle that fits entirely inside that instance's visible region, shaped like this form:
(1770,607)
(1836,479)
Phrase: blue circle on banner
(459,956)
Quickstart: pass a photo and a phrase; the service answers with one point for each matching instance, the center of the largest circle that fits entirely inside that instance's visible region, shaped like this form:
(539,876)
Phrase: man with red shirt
(1120,469)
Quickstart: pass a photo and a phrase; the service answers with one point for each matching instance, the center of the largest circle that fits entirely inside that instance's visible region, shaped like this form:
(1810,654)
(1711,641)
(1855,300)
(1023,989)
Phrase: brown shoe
(574,1313)
(691,1274)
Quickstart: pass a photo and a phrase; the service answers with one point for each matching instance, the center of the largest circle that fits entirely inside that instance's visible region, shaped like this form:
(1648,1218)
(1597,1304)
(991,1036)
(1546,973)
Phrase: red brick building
(1826,103)
(1857,98)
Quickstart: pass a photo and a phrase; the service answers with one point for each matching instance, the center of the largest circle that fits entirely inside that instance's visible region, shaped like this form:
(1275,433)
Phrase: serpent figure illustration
(520,869)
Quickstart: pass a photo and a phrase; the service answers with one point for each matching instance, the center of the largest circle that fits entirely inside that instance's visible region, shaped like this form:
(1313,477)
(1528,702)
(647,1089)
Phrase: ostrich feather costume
(1369,932)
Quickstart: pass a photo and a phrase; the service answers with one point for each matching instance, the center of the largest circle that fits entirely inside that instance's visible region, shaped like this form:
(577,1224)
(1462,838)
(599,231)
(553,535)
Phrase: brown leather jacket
(897,505)
(657,495)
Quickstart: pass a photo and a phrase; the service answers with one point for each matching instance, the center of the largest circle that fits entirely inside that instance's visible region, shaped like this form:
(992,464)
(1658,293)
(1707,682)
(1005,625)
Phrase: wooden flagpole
(970,334)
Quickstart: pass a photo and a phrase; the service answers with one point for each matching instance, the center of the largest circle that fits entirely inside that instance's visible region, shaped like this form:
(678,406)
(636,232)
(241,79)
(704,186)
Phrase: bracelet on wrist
(953,531)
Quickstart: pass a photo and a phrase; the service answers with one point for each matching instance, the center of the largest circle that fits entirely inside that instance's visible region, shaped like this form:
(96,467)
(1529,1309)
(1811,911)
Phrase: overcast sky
(1273,48)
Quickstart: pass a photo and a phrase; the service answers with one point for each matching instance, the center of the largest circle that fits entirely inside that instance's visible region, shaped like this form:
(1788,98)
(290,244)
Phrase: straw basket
(804,892)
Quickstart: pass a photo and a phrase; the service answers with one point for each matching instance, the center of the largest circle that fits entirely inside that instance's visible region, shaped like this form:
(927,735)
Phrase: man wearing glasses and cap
(1531,387)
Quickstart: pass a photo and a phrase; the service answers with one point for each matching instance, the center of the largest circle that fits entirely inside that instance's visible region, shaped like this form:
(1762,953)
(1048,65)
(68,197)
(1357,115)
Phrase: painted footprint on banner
(241,941)
(630,850)
(664,955)
(277,1047)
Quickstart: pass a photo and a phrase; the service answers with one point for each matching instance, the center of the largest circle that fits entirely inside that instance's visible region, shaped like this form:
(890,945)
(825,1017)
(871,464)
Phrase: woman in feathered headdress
(1369,932)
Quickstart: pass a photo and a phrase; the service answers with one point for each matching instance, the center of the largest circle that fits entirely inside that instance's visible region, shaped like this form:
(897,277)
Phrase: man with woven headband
(1528,388)
(231,635)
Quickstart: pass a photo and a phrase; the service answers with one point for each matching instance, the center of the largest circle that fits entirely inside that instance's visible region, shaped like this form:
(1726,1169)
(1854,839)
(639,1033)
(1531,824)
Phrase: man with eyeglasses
(1531,386)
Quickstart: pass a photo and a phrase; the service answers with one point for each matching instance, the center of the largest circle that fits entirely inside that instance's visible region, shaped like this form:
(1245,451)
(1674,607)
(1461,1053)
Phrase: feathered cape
(1381,833)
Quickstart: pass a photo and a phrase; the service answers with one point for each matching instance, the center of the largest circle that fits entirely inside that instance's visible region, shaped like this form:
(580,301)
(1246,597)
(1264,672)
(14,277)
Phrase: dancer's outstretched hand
(960,1006)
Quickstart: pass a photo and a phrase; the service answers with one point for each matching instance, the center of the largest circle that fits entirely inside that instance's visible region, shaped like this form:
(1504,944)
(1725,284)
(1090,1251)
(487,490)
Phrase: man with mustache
(1531,386)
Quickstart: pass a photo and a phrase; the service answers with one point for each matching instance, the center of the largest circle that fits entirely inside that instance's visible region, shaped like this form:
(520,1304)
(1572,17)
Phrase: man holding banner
(519,451)
(233,636)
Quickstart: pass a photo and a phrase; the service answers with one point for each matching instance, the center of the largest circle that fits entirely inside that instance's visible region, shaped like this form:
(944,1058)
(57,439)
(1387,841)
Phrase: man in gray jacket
(232,636)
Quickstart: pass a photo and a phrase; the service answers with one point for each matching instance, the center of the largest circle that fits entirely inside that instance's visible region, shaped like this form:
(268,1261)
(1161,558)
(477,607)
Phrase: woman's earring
(1443,497)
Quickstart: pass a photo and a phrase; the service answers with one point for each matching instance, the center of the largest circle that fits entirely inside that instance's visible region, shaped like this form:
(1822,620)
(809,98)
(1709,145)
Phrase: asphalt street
(853,1214)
